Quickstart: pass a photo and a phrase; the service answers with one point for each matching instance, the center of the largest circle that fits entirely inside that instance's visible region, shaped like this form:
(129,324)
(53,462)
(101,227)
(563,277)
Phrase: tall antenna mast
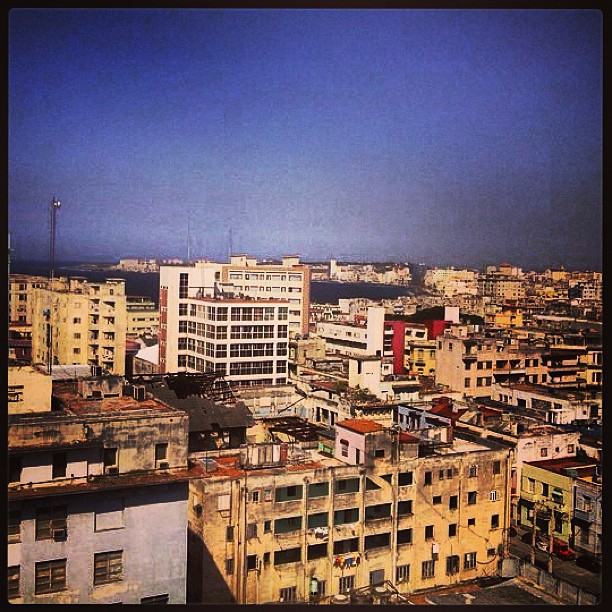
(53,208)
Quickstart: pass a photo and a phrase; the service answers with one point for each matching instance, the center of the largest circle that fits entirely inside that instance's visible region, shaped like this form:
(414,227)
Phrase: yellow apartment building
(80,322)
(287,523)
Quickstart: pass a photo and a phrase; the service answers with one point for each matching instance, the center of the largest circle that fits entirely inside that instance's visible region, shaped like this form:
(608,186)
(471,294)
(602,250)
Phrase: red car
(562,550)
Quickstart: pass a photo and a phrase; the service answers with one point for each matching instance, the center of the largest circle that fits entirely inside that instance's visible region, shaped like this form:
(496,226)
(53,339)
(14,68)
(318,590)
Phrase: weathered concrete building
(286,523)
(75,321)
(97,498)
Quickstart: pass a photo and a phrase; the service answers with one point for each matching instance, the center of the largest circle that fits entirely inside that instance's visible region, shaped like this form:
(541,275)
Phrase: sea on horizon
(146,284)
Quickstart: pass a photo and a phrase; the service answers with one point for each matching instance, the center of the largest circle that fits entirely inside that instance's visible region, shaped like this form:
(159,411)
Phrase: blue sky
(464,137)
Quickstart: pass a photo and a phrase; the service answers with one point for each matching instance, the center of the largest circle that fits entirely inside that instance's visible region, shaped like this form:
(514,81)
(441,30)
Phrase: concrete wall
(151,532)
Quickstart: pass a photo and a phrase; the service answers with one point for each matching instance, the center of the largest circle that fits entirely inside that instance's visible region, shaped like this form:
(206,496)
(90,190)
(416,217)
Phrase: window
(14,526)
(255,496)
(497,467)
(183,285)
(161,455)
(471,522)
(530,485)
(229,566)
(378,540)
(251,563)
(466,382)
(452,530)
(377,512)
(453,502)
(404,479)
(494,521)
(346,584)
(110,460)
(429,532)
(316,551)
(50,521)
(570,448)
(428,478)
(472,471)
(318,519)
(402,573)
(404,536)
(155,599)
(251,530)
(108,567)
(452,565)
(344,446)
(471,497)
(350,515)
(428,569)
(437,499)
(50,576)
(346,546)
(288,594)
(13,582)
(229,533)
(404,508)
(15,469)
(318,489)
(286,525)
(182,310)
(544,452)
(494,495)
(348,485)
(469,560)
(290,493)
(290,555)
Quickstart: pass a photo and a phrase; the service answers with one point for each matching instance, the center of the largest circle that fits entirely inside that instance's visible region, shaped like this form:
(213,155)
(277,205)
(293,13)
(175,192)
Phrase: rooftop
(361,425)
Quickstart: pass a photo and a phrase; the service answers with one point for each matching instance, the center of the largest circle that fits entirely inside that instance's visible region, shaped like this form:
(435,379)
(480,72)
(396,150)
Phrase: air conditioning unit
(164,465)
(112,470)
(59,534)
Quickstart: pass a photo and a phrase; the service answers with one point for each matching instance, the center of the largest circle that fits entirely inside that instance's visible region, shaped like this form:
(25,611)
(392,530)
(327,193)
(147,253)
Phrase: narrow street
(561,568)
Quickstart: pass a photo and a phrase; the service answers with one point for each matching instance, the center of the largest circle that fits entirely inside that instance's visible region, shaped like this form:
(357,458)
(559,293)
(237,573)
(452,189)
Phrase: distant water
(147,283)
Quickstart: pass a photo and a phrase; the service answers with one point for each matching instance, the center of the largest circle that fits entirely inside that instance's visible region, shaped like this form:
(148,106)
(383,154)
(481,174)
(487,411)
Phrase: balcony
(584,515)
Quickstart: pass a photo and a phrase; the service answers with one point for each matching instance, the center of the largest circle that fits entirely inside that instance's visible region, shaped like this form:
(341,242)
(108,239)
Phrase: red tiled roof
(361,425)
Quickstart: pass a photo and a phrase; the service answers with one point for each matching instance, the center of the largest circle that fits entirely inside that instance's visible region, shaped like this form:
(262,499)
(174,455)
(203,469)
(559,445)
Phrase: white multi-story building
(209,323)
(356,339)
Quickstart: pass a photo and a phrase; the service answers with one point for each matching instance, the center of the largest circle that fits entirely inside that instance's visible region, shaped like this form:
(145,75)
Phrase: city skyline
(467,136)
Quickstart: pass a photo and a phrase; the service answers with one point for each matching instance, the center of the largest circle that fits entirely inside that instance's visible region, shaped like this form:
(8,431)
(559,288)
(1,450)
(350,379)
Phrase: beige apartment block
(142,316)
(21,291)
(80,322)
(470,365)
(282,523)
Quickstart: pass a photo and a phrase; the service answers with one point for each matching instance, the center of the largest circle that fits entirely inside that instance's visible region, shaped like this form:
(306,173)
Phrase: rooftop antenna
(230,248)
(54,206)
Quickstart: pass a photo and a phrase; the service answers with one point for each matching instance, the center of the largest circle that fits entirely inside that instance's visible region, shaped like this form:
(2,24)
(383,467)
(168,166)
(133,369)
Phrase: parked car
(589,563)
(562,550)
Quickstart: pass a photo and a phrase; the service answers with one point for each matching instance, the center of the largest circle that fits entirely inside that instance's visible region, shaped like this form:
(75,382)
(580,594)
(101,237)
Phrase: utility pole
(53,208)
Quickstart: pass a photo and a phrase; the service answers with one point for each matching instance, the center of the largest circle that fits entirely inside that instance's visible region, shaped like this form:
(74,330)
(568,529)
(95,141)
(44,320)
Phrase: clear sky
(450,137)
